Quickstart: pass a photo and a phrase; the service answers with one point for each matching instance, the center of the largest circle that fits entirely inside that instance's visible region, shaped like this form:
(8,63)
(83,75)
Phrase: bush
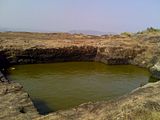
(126,34)
(149,30)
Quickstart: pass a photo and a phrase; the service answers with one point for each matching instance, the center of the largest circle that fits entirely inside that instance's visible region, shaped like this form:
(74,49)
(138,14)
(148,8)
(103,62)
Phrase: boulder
(3,62)
(2,78)
(155,70)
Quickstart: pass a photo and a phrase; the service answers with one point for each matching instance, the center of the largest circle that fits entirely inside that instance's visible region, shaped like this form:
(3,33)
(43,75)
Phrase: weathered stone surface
(118,54)
(2,78)
(47,55)
(3,62)
(15,104)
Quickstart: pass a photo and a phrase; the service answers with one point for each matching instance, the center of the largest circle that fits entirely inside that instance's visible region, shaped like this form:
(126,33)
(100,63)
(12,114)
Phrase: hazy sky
(66,15)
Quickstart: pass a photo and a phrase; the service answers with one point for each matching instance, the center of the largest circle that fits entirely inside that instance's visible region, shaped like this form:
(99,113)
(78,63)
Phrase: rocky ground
(141,49)
(15,103)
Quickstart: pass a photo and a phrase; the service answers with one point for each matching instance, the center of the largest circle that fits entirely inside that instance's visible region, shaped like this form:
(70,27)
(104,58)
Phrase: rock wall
(4,63)
(118,55)
(48,55)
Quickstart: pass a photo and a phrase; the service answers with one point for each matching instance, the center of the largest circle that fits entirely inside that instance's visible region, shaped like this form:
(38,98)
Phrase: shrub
(126,34)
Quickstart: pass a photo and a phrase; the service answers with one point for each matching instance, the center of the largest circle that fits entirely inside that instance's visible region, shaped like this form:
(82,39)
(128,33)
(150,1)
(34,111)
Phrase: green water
(60,86)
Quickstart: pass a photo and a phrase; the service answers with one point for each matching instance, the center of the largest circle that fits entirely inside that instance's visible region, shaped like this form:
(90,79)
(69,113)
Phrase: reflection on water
(152,80)
(64,85)
(42,107)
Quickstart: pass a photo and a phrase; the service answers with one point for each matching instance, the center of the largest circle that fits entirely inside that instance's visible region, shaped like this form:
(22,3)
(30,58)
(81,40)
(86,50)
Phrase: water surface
(60,86)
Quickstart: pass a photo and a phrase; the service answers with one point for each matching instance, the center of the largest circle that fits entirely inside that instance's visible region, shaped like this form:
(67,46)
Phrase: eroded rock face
(2,78)
(48,55)
(117,55)
(4,64)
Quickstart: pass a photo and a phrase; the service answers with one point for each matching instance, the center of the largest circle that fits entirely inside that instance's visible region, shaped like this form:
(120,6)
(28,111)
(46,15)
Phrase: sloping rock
(15,104)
